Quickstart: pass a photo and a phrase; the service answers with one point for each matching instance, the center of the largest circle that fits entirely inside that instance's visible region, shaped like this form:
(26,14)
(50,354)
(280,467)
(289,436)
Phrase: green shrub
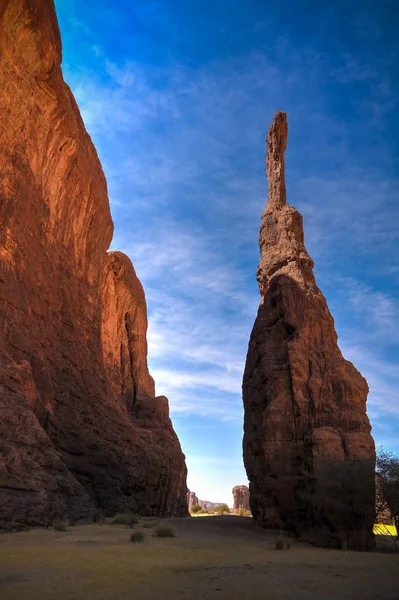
(282,543)
(196,508)
(124,519)
(222,509)
(137,536)
(163,531)
(60,525)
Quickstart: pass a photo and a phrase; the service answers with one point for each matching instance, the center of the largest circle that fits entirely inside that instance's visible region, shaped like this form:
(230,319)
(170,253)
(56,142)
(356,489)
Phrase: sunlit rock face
(192,499)
(81,427)
(308,449)
(240,497)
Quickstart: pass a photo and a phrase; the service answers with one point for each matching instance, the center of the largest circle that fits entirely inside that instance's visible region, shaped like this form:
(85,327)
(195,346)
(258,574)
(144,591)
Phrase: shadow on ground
(226,558)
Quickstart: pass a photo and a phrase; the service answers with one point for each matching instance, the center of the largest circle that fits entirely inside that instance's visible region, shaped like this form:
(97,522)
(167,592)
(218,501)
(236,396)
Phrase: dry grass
(127,519)
(381,529)
(223,557)
(163,531)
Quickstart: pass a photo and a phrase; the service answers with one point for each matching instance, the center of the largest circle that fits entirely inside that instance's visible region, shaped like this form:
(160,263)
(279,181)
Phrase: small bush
(137,536)
(124,519)
(282,543)
(164,532)
(60,525)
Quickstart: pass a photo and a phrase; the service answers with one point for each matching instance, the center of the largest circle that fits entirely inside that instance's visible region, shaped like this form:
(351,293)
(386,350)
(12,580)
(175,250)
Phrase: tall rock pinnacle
(276,145)
(307,445)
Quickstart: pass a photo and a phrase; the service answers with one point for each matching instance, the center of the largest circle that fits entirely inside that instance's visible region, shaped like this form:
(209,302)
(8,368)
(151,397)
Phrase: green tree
(196,508)
(387,468)
(223,509)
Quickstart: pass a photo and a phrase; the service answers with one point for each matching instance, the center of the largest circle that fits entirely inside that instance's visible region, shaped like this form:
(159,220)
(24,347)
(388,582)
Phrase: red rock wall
(307,445)
(80,425)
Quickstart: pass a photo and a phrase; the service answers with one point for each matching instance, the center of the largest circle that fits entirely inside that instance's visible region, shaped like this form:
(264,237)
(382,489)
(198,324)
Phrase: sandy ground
(222,558)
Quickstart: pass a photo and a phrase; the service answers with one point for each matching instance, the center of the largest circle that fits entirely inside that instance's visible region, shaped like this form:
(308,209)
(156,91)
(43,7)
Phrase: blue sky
(177,96)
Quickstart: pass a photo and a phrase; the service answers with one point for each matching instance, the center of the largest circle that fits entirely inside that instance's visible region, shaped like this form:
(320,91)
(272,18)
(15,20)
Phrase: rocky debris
(241,497)
(192,499)
(307,446)
(81,427)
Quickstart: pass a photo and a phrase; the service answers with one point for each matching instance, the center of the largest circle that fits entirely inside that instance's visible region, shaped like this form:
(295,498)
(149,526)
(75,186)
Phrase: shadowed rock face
(80,424)
(240,497)
(308,450)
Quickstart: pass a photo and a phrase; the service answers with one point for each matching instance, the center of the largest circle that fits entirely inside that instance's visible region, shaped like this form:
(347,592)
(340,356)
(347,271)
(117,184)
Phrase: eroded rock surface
(308,449)
(241,497)
(81,427)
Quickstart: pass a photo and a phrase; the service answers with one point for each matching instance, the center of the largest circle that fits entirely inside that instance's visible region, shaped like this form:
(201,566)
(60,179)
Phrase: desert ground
(226,558)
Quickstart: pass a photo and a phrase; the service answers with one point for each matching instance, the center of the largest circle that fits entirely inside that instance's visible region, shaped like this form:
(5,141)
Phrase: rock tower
(240,497)
(307,445)
(192,499)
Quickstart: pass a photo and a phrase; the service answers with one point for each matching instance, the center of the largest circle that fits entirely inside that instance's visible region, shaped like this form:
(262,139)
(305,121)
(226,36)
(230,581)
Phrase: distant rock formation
(80,427)
(308,450)
(192,499)
(241,497)
(207,505)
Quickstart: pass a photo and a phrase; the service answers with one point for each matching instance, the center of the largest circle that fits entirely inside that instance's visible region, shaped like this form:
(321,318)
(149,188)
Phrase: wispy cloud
(195,351)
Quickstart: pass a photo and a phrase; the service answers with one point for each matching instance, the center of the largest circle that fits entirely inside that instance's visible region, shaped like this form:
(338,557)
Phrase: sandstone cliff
(307,445)
(241,497)
(80,424)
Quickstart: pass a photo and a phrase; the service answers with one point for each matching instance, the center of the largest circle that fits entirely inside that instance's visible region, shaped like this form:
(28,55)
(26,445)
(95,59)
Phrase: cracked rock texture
(241,497)
(81,427)
(307,445)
